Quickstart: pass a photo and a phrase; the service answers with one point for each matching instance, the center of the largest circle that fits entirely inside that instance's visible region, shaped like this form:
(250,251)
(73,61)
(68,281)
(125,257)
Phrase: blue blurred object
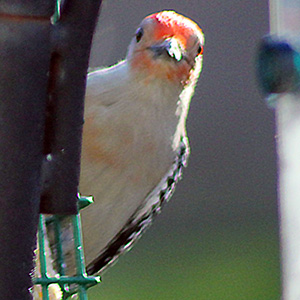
(278,66)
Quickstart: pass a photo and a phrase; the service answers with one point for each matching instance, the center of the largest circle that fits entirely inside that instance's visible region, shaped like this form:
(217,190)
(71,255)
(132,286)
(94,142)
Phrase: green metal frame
(80,282)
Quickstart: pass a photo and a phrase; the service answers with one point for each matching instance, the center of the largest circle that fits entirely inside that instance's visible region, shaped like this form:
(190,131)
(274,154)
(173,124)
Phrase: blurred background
(218,236)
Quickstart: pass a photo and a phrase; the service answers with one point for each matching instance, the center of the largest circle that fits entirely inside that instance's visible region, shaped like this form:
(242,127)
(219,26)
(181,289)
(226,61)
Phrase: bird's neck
(164,98)
(152,100)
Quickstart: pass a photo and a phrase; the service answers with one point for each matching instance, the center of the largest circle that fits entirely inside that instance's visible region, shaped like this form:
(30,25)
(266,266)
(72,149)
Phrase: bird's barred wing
(143,216)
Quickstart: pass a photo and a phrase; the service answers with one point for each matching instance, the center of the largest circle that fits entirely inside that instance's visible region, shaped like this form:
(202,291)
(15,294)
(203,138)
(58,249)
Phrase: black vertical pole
(42,85)
(24,63)
(72,38)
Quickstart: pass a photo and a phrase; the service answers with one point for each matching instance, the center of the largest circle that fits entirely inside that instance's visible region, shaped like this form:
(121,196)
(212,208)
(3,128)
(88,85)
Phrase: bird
(135,143)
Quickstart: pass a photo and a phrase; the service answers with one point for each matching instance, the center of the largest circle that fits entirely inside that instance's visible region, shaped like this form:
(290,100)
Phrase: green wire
(81,281)
(56,15)
(42,256)
(79,256)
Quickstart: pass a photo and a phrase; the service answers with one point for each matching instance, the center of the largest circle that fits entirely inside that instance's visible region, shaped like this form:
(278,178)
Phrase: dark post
(42,85)
(72,37)
(24,60)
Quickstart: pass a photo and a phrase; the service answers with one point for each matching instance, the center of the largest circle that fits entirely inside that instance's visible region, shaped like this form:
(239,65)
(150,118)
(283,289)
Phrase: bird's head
(167,47)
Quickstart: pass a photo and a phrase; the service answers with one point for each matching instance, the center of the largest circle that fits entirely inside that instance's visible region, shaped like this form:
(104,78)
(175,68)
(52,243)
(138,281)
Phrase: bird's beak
(169,47)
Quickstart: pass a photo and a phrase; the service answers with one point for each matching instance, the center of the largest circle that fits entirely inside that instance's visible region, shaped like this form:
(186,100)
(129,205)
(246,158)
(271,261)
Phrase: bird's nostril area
(174,49)
(169,47)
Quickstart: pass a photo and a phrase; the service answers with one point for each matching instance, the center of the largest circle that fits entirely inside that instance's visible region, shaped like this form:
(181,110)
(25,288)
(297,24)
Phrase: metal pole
(286,25)
(71,37)
(24,61)
(280,70)
(42,85)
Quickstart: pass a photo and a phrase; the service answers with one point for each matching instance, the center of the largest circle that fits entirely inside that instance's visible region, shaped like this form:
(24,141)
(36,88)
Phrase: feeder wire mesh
(69,285)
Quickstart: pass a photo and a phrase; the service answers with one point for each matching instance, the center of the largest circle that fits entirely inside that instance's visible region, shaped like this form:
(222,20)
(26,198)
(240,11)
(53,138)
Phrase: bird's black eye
(139,34)
(200,50)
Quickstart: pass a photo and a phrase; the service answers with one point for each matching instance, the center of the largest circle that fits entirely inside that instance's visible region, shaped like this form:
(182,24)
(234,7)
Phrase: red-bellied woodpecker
(134,136)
